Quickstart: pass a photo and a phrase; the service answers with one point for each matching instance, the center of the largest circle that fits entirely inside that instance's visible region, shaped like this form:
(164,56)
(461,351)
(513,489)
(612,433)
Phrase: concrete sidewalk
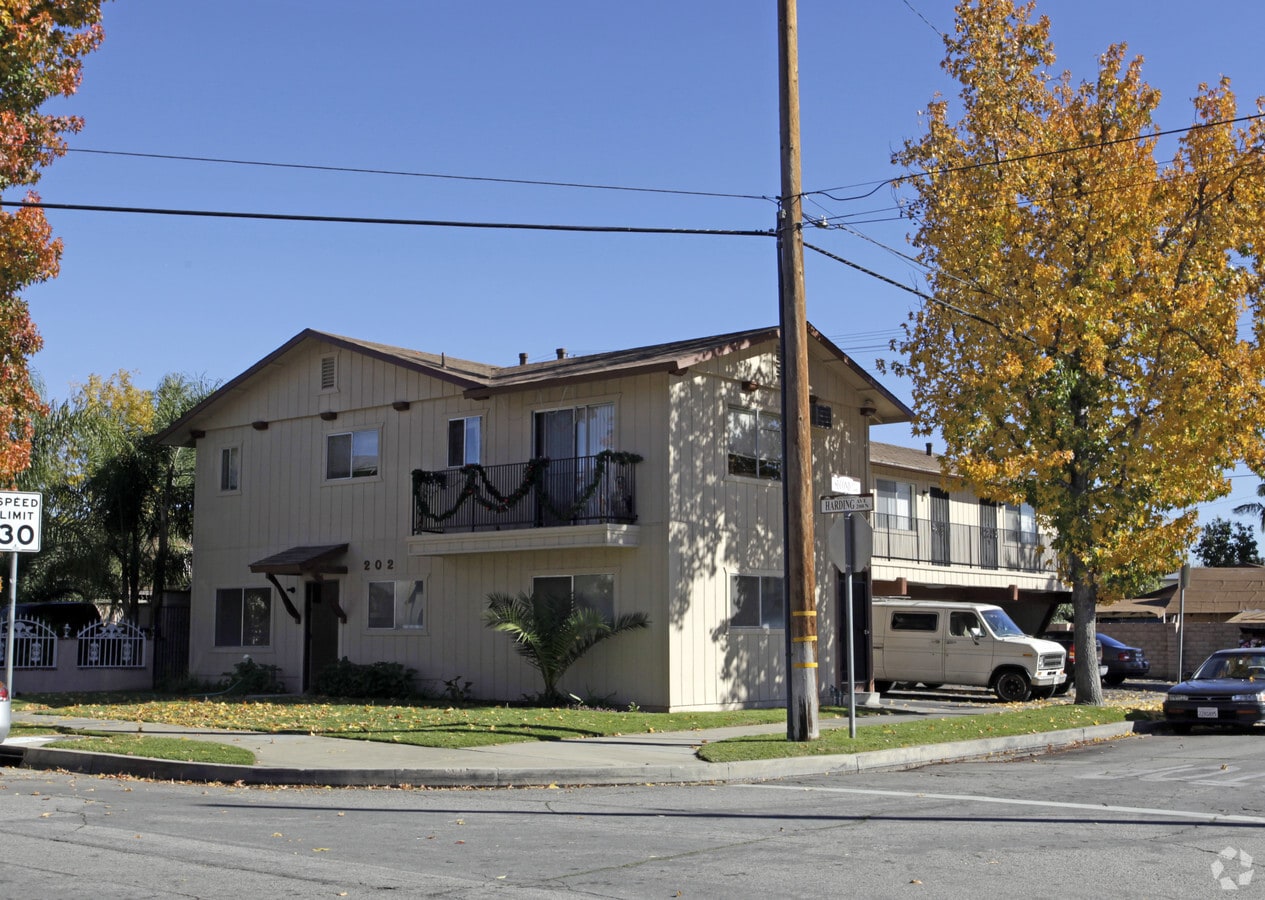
(296,759)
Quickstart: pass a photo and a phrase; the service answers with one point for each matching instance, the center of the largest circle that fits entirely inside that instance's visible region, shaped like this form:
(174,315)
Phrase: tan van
(934,642)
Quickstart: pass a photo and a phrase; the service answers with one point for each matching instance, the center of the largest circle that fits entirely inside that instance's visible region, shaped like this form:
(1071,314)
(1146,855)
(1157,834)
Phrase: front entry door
(320,630)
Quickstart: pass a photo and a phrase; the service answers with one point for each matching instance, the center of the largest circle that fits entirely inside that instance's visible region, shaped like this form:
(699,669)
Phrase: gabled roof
(480,380)
(898,457)
(1212,590)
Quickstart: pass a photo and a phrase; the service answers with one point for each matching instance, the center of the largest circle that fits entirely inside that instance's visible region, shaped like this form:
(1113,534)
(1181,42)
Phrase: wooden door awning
(314,560)
(311,561)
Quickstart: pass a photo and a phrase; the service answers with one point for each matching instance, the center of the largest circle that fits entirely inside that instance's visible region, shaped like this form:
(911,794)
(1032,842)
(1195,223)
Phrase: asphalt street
(1144,816)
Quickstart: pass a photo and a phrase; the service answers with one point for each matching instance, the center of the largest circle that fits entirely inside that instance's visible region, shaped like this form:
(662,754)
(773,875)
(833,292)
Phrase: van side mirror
(975,633)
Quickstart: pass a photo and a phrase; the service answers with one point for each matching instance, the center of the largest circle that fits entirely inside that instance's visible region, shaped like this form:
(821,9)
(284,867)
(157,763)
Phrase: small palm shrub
(552,631)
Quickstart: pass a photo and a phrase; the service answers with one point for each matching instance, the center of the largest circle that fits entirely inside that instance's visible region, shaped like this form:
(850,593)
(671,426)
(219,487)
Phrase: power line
(1039,155)
(407,174)
(368,220)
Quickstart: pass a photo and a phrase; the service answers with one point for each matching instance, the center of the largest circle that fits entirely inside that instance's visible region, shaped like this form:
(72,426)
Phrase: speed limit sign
(20,515)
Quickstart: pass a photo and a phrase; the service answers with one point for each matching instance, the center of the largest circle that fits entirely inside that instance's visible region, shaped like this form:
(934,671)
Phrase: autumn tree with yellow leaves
(42,45)
(1092,344)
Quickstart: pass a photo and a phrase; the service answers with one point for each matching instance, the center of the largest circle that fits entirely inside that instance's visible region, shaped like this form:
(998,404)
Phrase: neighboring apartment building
(333,518)
(935,539)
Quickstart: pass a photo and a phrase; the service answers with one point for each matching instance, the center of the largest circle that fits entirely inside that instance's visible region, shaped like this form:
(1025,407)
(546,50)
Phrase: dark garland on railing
(491,499)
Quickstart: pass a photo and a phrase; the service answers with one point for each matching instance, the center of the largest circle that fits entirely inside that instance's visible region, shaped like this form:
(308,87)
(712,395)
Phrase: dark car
(1122,661)
(66,617)
(1228,689)
(1064,640)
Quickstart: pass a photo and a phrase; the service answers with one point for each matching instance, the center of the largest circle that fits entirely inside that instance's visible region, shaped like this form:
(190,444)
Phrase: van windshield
(1001,624)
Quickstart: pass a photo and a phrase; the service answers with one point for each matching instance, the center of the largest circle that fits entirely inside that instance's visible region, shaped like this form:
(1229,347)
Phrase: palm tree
(1254,509)
(551,631)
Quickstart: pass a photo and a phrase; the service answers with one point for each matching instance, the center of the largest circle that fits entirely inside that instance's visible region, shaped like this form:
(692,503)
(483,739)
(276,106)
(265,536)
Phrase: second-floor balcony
(903,538)
(539,493)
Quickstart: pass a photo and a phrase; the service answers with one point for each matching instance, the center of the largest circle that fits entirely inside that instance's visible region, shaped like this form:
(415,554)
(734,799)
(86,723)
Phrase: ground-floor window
(396,604)
(594,591)
(757,601)
(243,617)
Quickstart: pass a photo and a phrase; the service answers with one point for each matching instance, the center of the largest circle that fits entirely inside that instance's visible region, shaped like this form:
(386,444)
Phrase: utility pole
(797,484)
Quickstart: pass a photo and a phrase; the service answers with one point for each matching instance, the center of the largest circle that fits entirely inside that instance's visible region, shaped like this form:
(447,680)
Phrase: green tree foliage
(118,505)
(1081,351)
(552,631)
(1221,545)
(1254,508)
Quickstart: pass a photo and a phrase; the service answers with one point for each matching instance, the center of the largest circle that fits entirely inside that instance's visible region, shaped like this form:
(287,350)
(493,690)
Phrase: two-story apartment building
(361,500)
(934,538)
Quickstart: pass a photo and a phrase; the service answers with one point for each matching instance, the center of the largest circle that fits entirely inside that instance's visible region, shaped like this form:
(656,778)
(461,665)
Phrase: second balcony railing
(954,544)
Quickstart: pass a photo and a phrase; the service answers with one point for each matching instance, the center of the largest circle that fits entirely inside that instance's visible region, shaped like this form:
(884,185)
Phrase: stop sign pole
(21,514)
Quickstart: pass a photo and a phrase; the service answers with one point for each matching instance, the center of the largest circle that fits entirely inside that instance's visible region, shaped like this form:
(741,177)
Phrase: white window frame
(894,504)
(770,599)
(572,576)
(231,463)
(471,450)
(766,459)
(1020,524)
(256,593)
(351,474)
(408,606)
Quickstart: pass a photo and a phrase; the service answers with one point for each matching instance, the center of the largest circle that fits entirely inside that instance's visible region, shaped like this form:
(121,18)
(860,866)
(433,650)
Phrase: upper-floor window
(396,604)
(1021,524)
(465,441)
(757,601)
(230,469)
(351,454)
(755,443)
(243,617)
(894,505)
(574,431)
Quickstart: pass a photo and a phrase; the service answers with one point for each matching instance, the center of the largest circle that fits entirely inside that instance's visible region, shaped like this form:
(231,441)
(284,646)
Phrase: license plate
(1207,712)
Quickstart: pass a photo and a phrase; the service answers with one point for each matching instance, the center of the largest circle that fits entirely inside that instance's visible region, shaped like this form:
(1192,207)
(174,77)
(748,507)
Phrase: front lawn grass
(886,736)
(180,749)
(434,725)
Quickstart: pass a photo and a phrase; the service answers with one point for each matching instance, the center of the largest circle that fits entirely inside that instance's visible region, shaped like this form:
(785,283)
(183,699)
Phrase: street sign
(21,513)
(847,503)
(850,544)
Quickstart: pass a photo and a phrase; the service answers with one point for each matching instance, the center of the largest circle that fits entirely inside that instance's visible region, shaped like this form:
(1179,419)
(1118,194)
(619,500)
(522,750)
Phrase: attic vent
(821,415)
(329,373)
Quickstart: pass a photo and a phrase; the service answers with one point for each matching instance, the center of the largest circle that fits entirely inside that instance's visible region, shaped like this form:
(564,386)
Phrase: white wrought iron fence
(34,643)
(111,645)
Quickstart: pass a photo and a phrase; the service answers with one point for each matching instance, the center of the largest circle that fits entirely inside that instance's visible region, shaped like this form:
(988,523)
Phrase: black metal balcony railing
(539,493)
(953,544)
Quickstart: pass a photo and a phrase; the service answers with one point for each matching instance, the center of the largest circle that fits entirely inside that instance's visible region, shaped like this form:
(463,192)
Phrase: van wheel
(882,687)
(1011,686)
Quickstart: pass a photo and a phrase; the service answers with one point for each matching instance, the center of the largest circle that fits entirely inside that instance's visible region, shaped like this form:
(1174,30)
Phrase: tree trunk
(1085,635)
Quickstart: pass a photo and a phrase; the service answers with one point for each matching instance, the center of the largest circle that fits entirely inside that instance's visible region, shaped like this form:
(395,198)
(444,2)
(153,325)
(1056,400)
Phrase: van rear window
(915,621)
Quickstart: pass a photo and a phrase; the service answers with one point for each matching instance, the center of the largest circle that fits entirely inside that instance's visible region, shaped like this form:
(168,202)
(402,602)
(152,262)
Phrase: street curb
(693,772)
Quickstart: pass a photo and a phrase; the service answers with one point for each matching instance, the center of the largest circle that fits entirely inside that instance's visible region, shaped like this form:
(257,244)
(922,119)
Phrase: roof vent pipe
(522,359)
(928,448)
(562,352)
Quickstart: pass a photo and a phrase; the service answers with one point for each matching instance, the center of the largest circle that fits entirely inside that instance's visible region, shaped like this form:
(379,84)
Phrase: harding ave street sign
(21,513)
(847,503)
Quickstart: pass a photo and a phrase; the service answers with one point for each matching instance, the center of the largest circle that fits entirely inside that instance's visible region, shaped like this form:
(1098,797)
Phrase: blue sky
(665,96)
